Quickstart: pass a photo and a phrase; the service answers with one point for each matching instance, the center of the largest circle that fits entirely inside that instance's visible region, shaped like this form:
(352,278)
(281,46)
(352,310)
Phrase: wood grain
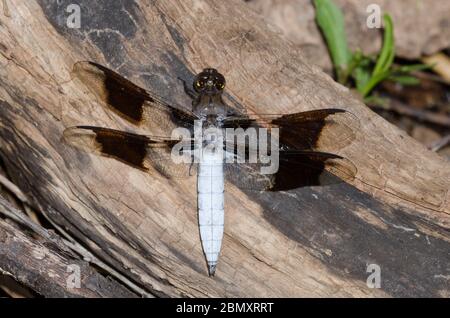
(308,242)
(46,265)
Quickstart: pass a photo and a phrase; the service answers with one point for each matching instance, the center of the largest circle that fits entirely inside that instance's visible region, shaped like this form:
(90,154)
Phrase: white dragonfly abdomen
(210,187)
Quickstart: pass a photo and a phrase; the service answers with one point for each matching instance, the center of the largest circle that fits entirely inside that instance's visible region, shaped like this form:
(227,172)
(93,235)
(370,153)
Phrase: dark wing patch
(300,169)
(296,169)
(130,101)
(138,151)
(328,129)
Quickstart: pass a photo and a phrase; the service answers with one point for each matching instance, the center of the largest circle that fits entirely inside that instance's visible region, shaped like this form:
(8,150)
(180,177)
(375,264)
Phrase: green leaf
(376,100)
(387,54)
(331,21)
(404,79)
(362,76)
(362,72)
(384,62)
(374,81)
(355,62)
(413,68)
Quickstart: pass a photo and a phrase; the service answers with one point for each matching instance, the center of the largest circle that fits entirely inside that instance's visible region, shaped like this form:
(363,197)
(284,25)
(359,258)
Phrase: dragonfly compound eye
(220,82)
(199,85)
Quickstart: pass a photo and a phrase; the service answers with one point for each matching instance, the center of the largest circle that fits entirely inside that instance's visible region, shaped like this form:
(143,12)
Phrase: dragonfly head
(209,81)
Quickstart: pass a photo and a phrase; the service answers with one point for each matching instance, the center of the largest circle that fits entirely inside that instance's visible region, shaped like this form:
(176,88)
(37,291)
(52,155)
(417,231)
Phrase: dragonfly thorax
(210,109)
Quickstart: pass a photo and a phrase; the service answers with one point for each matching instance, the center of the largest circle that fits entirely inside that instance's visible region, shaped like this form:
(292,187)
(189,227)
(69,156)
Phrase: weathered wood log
(47,268)
(308,242)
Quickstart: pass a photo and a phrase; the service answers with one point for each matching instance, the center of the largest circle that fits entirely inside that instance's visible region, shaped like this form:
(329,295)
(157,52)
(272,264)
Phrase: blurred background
(392,54)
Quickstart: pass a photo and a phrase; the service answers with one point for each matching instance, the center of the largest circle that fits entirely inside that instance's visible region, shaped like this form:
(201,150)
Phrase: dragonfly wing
(138,151)
(295,169)
(326,130)
(131,102)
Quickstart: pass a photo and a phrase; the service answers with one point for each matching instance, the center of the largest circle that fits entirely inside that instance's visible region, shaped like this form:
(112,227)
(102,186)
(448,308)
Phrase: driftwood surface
(314,241)
(45,265)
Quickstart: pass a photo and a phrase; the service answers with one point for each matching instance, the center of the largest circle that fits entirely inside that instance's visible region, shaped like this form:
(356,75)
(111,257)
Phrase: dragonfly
(304,143)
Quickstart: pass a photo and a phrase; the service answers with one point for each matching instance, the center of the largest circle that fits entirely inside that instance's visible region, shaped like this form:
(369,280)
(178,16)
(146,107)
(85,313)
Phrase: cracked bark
(309,242)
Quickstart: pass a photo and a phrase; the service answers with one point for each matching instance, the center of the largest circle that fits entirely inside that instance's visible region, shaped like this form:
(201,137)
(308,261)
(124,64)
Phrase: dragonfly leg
(189,90)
